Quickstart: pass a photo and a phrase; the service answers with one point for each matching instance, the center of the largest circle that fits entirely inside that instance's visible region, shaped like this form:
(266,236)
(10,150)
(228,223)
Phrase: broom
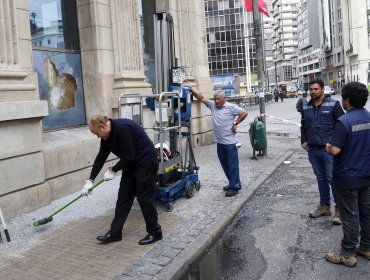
(50,218)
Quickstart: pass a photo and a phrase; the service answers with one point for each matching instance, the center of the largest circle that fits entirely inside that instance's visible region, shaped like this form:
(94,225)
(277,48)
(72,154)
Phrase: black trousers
(139,183)
(354,209)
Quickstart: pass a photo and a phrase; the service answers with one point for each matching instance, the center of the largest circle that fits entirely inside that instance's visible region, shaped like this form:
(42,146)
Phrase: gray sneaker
(336,220)
(322,210)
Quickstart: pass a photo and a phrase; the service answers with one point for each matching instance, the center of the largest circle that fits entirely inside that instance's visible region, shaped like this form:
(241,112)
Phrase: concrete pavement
(66,248)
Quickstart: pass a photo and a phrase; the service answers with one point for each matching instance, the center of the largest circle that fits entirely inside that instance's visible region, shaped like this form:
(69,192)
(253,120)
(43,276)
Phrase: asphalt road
(273,237)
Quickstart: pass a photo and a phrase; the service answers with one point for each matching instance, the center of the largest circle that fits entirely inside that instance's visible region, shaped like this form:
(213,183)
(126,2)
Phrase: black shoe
(231,192)
(108,238)
(150,239)
(226,188)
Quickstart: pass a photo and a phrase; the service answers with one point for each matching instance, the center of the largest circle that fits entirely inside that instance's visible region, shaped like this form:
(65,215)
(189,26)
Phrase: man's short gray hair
(219,93)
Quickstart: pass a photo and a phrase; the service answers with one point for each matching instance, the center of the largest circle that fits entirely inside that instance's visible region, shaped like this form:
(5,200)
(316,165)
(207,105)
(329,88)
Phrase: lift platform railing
(177,161)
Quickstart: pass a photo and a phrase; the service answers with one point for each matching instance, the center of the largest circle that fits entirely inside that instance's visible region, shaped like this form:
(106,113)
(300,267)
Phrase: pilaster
(128,57)
(20,108)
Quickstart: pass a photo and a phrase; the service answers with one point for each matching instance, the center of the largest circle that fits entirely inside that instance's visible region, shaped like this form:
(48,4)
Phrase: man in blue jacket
(350,145)
(318,118)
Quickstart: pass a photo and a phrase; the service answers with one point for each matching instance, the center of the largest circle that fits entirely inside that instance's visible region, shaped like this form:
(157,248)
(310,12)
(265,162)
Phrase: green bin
(257,135)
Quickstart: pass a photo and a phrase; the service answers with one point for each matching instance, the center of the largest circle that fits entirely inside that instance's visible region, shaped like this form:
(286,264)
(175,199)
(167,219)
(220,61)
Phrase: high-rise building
(268,41)
(284,13)
(356,40)
(309,52)
(227,36)
(331,40)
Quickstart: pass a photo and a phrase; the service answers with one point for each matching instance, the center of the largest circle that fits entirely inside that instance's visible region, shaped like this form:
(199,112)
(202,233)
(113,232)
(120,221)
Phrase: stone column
(128,56)
(191,49)
(20,113)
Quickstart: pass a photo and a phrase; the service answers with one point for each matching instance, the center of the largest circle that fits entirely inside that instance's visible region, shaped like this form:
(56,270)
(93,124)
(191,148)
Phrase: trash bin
(257,136)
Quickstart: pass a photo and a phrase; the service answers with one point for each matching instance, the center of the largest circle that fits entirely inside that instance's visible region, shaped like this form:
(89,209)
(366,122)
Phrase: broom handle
(2,220)
(77,198)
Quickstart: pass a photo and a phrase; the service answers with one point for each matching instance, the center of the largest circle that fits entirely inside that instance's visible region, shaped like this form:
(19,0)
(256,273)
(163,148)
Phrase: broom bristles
(42,221)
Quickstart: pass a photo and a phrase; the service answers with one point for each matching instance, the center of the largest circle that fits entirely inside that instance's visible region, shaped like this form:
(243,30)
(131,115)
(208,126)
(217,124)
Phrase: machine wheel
(189,189)
(197,186)
(168,206)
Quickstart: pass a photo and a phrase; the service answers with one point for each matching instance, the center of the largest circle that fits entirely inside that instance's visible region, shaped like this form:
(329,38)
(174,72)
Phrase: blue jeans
(354,208)
(322,165)
(228,156)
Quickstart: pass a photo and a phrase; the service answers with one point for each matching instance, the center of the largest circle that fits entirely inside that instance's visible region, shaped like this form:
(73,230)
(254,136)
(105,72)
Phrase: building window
(57,61)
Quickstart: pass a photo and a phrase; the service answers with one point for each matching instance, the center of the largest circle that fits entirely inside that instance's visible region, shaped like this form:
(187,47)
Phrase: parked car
(328,90)
(301,92)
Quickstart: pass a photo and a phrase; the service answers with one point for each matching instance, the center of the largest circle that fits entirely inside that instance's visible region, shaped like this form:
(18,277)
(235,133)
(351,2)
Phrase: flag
(262,6)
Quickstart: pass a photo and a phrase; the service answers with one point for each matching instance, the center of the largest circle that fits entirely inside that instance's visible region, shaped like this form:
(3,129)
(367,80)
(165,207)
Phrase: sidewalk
(66,248)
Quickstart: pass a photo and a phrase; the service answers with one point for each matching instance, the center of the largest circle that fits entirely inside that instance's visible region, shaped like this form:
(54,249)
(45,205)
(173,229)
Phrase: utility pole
(259,55)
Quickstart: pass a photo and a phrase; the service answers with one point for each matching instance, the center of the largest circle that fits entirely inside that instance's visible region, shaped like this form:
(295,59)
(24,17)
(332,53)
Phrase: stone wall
(37,167)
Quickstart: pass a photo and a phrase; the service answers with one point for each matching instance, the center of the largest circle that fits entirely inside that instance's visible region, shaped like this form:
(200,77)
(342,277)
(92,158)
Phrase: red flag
(262,6)
(248,5)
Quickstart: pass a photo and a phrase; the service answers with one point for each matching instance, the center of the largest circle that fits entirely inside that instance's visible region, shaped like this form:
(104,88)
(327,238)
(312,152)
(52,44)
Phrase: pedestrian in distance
(138,162)
(301,102)
(281,95)
(318,118)
(225,118)
(350,146)
(276,95)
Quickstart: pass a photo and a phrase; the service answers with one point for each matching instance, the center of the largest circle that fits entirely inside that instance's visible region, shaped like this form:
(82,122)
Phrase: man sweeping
(138,162)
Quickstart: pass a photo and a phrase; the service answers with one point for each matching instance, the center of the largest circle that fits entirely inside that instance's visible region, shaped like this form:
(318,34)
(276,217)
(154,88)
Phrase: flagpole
(247,60)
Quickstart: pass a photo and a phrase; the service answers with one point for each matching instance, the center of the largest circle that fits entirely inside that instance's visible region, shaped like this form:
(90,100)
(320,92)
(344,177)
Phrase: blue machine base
(175,190)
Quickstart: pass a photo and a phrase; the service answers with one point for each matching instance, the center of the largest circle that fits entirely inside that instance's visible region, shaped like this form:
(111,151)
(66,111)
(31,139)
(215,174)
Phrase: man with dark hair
(301,102)
(318,118)
(350,146)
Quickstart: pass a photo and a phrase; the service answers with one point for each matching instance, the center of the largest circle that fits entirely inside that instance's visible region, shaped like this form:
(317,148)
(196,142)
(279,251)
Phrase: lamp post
(259,56)
(276,76)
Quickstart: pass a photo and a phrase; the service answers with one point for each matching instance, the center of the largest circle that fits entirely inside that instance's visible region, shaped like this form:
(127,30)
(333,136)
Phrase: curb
(180,264)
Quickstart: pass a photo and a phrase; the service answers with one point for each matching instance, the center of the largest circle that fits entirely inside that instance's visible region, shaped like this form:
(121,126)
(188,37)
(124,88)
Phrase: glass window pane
(54,24)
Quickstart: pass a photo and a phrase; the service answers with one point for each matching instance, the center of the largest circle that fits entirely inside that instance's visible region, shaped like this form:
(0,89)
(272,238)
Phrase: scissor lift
(177,175)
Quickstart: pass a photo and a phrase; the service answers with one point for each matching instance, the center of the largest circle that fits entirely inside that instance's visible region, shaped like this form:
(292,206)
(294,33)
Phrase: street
(273,237)
(270,237)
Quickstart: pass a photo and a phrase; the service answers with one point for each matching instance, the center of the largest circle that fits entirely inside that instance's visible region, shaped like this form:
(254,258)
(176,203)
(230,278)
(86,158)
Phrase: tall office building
(309,52)
(268,41)
(331,39)
(284,13)
(356,37)
(226,38)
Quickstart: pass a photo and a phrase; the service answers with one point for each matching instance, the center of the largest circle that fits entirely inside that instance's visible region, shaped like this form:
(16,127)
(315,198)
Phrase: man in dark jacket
(138,162)
(350,145)
(301,102)
(318,118)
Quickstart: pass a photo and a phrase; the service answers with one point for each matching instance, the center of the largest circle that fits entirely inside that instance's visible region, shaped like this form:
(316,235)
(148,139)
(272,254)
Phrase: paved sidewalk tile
(74,252)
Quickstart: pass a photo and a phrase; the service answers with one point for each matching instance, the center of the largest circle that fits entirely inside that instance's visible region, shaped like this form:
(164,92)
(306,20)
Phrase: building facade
(356,23)
(231,44)
(62,62)
(284,13)
(309,50)
(331,39)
